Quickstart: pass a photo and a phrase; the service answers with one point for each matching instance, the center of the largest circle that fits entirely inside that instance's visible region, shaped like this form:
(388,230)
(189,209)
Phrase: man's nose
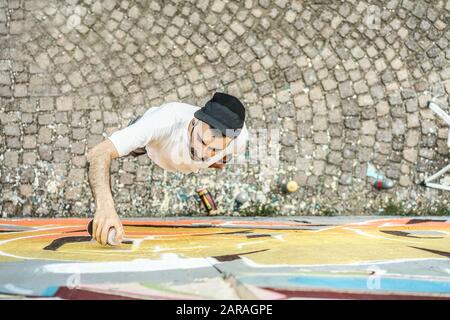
(208,153)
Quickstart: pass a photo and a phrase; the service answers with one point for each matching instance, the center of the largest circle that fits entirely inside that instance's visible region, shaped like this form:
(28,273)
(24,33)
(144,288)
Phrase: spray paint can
(383,183)
(289,187)
(241,198)
(207,200)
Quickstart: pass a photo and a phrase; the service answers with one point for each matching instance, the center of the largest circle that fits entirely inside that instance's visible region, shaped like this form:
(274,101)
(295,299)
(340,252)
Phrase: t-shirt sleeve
(150,127)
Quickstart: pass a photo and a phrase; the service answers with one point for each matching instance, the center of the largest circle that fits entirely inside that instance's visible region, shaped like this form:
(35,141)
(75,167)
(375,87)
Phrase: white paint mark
(227,223)
(2,253)
(105,251)
(279,237)
(137,242)
(160,249)
(26,237)
(45,229)
(362,233)
(240,245)
(253,264)
(12,288)
(168,261)
(368,222)
(324,229)
(390,224)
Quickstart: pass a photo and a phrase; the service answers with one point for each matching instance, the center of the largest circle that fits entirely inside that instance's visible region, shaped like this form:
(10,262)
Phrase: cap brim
(214,123)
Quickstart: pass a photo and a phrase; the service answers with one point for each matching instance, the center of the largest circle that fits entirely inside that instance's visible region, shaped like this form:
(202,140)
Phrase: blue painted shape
(385,284)
(353,283)
(49,291)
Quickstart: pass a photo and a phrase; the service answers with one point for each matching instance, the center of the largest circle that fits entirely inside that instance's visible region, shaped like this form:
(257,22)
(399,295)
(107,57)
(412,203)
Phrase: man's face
(206,142)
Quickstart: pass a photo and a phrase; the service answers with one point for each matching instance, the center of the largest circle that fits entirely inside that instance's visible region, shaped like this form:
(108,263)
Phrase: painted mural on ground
(229,259)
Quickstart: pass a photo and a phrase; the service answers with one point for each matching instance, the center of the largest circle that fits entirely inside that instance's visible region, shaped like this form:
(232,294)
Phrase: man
(177,137)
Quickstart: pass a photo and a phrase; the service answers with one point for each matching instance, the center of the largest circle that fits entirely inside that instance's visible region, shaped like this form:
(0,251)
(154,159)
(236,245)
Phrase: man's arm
(100,158)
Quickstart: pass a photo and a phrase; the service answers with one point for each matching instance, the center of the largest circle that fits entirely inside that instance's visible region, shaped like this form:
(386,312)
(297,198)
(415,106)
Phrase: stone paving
(346,82)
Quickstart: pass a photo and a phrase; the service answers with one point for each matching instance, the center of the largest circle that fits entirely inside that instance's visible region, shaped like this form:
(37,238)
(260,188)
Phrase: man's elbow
(104,148)
(95,152)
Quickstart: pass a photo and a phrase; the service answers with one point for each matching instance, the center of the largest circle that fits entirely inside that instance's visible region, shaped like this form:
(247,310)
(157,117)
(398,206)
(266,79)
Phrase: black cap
(223,112)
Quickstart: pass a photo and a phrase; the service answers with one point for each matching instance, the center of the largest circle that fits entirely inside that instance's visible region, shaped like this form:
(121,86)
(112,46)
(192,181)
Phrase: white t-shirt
(163,131)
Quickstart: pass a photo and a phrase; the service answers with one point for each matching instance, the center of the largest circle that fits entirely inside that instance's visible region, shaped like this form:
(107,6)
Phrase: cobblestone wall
(346,82)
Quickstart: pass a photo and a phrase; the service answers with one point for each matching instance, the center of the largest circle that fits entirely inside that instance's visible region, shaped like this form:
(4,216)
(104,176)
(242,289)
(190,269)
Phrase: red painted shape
(351,295)
(80,294)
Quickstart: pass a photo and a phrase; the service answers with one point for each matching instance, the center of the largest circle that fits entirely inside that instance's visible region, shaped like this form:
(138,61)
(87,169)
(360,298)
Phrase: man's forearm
(99,180)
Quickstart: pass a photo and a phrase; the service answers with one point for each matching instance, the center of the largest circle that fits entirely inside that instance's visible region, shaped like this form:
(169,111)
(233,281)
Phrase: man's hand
(105,219)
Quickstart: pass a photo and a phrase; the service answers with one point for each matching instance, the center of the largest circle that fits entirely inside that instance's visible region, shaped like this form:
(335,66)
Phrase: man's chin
(217,166)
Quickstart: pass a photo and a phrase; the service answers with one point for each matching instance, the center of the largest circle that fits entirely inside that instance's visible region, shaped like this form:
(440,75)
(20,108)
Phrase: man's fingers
(104,235)
(119,232)
(98,232)
(94,228)
(101,227)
